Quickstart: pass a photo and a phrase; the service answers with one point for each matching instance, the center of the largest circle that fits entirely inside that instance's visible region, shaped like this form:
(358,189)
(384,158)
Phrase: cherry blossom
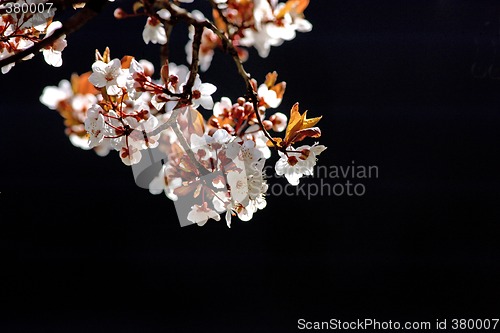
(154,31)
(52,95)
(53,52)
(162,183)
(279,121)
(130,155)
(95,126)
(209,162)
(202,94)
(109,75)
(298,162)
(201,214)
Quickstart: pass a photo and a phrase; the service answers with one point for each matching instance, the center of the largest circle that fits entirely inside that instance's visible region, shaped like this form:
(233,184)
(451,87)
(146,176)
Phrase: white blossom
(154,32)
(159,184)
(53,53)
(201,214)
(298,163)
(94,125)
(224,104)
(202,94)
(269,96)
(52,95)
(109,75)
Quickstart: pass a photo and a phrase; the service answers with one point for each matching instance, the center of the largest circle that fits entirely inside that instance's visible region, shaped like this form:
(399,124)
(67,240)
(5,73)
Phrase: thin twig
(223,17)
(227,44)
(251,93)
(165,48)
(189,151)
(195,59)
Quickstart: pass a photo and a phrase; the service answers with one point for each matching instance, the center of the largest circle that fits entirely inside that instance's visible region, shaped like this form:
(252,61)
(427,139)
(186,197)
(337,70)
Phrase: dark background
(408,86)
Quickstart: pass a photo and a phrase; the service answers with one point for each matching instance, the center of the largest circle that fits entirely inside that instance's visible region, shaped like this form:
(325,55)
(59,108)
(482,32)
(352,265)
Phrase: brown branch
(195,59)
(186,97)
(165,49)
(92,9)
(251,93)
(181,14)
(169,123)
(223,17)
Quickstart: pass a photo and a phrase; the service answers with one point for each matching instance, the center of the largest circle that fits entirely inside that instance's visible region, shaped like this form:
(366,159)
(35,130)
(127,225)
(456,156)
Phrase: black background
(404,85)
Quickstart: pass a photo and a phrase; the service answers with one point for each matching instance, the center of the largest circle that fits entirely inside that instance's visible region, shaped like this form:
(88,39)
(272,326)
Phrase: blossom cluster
(20,31)
(208,156)
(248,23)
(218,169)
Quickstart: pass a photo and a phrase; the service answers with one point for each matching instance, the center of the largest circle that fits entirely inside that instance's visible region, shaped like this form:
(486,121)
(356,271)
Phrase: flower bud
(241,101)
(149,68)
(279,121)
(267,124)
(119,14)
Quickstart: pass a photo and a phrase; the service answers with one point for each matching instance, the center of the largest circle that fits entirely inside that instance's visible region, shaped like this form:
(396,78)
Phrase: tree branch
(251,93)
(181,14)
(92,9)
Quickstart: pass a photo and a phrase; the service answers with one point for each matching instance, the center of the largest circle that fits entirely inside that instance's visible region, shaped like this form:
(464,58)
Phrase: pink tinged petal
(272,99)
(293,177)
(121,80)
(94,141)
(133,157)
(238,185)
(206,61)
(157,185)
(200,215)
(53,27)
(303,25)
(262,90)
(113,89)
(197,83)
(245,214)
(218,204)
(156,104)
(6,68)
(217,110)
(174,183)
(219,107)
(97,80)
(146,34)
(281,122)
(198,142)
(79,142)
(206,101)
(52,95)
(221,136)
(114,65)
(135,67)
(207,89)
(60,44)
(281,166)
(161,37)
(318,149)
(228,218)
(53,58)
(164,14)
(99,67)
(213,215)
